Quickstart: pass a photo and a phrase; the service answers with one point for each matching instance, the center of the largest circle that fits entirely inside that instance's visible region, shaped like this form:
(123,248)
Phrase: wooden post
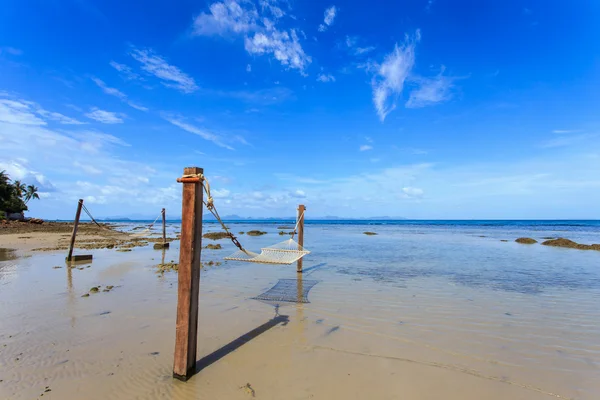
(164,244)
(186,332)
(300,223)
(164,218)
(75,225)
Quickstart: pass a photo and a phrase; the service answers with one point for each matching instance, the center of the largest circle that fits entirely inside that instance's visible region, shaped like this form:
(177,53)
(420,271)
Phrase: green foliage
(11,200)
(2,215)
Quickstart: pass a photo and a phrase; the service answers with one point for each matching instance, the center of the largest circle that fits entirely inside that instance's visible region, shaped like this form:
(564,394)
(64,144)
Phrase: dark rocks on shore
(370,233)
(215,235)
(255,233)
(562,242)
(525,240)
(213,246)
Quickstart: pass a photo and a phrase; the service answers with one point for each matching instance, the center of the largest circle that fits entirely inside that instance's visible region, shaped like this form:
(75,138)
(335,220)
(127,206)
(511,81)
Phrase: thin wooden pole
(164,218)
(75,225)
(186,332)
(300,220)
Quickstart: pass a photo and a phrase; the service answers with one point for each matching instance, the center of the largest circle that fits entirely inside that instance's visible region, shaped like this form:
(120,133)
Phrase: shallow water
(414,312)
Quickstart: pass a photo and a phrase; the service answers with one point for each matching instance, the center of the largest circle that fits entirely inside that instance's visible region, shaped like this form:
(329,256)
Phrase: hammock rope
(286,252)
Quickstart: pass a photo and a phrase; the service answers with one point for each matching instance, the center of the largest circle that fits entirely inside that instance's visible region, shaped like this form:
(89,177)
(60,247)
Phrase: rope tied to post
(210,204)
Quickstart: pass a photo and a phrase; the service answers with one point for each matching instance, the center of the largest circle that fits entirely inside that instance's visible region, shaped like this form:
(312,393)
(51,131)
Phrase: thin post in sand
(188,286)
(164,244)
(300,223)
(70,256)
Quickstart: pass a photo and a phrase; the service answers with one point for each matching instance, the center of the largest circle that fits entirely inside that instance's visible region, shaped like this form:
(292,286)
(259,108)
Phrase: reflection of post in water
(71,294)
(300,307)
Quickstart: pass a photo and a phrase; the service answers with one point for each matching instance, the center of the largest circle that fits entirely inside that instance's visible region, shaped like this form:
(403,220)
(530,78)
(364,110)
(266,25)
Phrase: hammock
(286,252)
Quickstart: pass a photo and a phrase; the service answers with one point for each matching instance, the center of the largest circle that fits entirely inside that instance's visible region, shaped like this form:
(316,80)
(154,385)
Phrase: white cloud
(23,112)
(412,192)
(390,75)
(11,50)
(180,122)
(262,36)
(105,117)
(125,70)
(298,194)
(431,91)
(325,78)
(226,17)
(170,75)
(368,139)
(330,14)
(328,18)
(117,93)
(351,44)
(248,68)
(220,193)
(137,106)
(565,140)
(562,131)
(20,170)
(284,47)
(109,90)
(62,119)
(18,112)
(87,168)
(365,147)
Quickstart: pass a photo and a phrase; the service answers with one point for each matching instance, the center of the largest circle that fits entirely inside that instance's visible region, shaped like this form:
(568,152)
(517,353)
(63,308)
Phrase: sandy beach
(404,331)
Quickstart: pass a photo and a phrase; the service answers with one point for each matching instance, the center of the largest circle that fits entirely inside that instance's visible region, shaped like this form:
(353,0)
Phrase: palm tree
(20,188)
(31,193)
(3,178)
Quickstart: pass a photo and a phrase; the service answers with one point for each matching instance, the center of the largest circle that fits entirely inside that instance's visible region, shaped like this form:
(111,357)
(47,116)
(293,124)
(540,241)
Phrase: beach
(414,311)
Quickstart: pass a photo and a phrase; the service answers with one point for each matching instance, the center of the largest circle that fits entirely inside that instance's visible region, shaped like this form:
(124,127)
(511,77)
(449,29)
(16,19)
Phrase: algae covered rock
(525,240)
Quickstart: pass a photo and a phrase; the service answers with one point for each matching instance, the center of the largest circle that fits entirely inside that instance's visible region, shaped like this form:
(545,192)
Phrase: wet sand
(359,337)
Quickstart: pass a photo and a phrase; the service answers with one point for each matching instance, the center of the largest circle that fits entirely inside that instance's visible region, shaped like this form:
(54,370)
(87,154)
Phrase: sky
(425,109)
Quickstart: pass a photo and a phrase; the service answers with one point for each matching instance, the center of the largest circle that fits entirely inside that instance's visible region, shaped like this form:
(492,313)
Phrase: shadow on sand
(215,356)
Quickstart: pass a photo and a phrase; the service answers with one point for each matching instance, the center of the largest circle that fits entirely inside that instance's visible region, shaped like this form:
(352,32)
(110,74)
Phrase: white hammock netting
(286,252)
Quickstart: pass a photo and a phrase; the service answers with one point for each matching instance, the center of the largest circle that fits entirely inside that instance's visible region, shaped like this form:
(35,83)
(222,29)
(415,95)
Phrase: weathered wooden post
(164,244)
(300,222)
(164,219)
(70,256)
(186,332)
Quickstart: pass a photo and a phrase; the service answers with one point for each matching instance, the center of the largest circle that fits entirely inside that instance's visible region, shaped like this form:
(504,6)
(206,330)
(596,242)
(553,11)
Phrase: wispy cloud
(57,117)
(429,5)
(248,68)
(325,78)
(18,112)
(563,131)
(170,75)
(328,18)
(431,91)
(125,70)
(412,192)
(284,47)
(109,90)
(11,50)
(117,93)
(354,49)
(29,113)
(105,117)
(181,123)
(227,17)
(388,80)
(565,140)
(365,147)
(260,28)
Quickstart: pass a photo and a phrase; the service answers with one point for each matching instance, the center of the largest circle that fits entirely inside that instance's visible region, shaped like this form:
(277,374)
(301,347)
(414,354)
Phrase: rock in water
(524,240)
(562,242)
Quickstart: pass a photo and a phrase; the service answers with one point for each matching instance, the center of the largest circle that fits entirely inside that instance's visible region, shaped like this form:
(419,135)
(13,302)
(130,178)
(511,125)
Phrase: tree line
(14,195)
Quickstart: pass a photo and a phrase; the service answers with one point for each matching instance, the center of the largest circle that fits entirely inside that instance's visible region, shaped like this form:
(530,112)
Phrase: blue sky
(420,109)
